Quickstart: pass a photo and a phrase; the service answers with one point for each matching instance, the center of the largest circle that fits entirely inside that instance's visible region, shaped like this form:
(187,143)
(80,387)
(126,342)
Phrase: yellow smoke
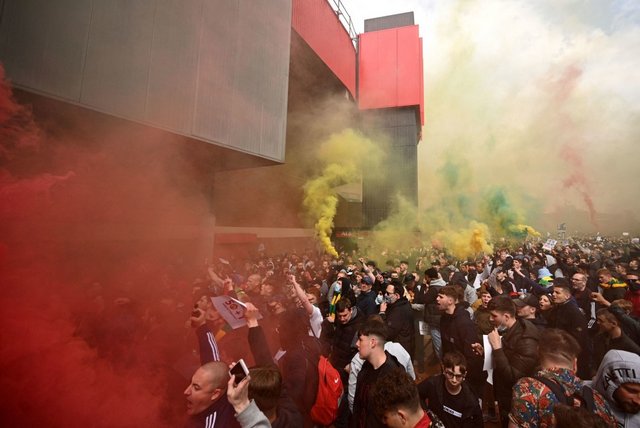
(468,241)
(525,229)
(446,228)
(342,158)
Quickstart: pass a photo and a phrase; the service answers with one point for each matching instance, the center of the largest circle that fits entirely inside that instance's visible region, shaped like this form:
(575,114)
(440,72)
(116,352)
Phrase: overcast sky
(543,95)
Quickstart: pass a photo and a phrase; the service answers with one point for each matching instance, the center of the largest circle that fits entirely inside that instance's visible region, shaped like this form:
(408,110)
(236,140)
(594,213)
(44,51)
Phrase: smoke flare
(342,158)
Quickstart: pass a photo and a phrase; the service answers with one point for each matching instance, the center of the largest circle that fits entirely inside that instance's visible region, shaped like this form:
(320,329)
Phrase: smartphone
(240,371)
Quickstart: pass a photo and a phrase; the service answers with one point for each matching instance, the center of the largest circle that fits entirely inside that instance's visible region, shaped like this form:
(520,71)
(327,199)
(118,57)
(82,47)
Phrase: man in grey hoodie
(618,380)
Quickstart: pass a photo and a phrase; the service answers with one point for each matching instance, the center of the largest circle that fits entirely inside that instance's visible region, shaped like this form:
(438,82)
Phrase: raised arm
(206,340)
(257,340)
(301,295)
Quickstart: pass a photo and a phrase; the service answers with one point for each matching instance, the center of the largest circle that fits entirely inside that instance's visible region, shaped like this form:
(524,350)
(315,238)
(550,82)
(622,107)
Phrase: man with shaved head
(207,404)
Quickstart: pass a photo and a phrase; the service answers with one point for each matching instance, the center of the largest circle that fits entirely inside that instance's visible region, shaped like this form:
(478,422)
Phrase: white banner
(231,310)
(549,245)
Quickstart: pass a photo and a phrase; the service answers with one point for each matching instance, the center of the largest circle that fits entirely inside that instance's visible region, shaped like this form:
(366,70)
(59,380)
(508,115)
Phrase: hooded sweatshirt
(618,367)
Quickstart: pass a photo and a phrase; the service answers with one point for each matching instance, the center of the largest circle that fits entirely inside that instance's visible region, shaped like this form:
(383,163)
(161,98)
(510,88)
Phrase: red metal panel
(391,68)
(421,85)
(317,24)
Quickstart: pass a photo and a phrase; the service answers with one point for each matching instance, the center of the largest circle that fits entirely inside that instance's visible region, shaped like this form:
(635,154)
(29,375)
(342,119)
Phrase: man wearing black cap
(527,309)
(366,300)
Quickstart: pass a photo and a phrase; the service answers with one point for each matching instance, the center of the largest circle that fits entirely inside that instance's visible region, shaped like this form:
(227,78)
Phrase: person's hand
(477,348)
(599,298)
(228,284)
(383,307)
(251,314)
(494,339)
(238,395)
(361,260)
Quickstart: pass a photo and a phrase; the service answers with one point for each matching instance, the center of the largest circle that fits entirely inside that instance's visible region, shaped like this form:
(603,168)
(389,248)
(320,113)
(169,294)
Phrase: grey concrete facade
(212,70)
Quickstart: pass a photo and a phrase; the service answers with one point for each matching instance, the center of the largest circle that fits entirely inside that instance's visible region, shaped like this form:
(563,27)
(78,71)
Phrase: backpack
(584,396)
(330,389)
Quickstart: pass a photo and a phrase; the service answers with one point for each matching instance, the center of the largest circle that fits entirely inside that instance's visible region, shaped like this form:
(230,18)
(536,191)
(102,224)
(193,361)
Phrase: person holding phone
(247,412)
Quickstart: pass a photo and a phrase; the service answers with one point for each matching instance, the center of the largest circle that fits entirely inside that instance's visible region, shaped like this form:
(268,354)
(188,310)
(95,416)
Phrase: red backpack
(325,408)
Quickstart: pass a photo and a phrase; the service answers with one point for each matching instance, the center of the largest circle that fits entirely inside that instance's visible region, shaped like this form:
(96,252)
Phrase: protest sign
(232,310)
(549,245)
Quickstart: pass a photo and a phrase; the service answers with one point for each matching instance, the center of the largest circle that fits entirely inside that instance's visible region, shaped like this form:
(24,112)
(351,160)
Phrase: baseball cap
(526,300)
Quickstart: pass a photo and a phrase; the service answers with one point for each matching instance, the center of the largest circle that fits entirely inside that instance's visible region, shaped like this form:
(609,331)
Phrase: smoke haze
(96,233)
(537,100)
(342,159)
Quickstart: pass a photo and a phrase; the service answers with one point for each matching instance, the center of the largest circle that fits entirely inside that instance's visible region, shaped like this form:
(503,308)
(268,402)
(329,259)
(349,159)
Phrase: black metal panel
(42,44)
(386,22)
(400,127)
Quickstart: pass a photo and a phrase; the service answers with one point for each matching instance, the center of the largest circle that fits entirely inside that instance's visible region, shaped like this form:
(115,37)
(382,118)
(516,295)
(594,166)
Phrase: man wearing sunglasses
(449,396)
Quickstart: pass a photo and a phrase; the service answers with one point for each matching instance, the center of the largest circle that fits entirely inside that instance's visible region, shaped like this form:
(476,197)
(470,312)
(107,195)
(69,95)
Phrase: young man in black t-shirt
(449,396)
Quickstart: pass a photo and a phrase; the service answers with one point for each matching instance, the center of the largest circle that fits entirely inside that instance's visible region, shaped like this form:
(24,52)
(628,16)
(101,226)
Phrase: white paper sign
(231,310)
(488,358)
(549,245)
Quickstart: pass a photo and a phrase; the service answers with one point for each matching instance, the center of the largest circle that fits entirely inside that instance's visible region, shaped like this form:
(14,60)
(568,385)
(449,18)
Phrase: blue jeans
(436,339)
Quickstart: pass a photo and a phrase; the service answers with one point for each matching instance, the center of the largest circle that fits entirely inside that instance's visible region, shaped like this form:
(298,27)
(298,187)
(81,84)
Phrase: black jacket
(366,303)
(399,320)
(339,340)
(458,333)
(431,312)
(306,388)
(568,317)
(219,415)
(364,415)
(517,358)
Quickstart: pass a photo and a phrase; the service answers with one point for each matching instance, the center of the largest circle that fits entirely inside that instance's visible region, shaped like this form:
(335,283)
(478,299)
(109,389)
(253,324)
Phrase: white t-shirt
(315,320)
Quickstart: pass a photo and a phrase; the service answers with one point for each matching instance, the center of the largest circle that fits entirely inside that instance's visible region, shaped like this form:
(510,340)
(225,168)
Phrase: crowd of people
(524,337)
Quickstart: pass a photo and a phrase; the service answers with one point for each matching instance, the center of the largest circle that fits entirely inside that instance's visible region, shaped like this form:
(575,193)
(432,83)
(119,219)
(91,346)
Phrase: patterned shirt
(533,401)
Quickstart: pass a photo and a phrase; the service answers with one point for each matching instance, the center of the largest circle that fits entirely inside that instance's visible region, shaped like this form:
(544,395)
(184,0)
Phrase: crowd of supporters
(522,337)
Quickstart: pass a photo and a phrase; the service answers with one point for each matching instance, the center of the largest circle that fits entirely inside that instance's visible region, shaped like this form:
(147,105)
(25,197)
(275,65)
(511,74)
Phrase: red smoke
(571,149)
(577,179)
(98,226)
(17,130)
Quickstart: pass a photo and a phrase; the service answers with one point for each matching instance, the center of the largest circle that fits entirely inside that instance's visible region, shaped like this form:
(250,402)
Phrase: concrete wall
(214,70)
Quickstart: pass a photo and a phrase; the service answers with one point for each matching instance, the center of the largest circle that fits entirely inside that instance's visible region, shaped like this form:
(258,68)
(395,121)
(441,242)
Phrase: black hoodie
(399,320)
